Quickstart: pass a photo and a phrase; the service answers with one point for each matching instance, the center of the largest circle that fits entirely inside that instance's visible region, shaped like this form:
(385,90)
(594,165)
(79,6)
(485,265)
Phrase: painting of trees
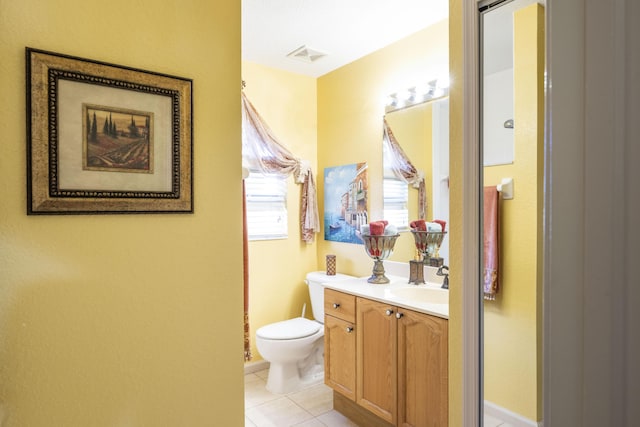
(123,144)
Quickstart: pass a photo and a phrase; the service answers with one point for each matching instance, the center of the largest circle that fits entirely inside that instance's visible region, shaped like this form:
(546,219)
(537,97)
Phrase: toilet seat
(299,327)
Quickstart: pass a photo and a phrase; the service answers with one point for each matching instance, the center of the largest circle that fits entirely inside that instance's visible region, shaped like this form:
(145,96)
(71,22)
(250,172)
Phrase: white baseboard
(259,365)
(515,420)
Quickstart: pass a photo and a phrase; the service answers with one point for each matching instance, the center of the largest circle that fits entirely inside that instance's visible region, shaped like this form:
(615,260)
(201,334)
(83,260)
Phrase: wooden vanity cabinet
(391,361)
(340,342)
(377,358)
(423,367)
(402,364)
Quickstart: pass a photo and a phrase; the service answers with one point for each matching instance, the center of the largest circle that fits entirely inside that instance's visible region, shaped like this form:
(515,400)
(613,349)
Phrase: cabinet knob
(388,312)
(399,315)
(349,329)
(336,305)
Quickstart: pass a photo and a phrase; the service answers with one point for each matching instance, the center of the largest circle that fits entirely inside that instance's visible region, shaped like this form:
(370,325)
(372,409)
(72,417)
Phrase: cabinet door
(340,356)
(376,361)
(422,370)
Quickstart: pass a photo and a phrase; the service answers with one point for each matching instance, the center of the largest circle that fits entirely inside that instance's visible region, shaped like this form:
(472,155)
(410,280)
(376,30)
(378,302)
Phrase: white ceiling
(345,30)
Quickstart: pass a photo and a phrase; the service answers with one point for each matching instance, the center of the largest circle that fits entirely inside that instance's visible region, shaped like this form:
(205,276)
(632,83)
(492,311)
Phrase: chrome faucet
(445,282)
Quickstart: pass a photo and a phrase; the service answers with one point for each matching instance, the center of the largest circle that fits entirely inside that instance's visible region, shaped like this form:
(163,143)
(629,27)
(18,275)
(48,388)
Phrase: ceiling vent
(306,54)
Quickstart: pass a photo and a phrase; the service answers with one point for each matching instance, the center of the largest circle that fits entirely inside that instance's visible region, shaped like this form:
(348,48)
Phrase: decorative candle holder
(416,272)
(331,265)
(428,243)
(379,248)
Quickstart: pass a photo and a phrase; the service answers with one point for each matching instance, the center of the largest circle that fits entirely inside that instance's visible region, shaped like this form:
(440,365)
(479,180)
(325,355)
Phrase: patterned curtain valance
(403,169)
(261,151)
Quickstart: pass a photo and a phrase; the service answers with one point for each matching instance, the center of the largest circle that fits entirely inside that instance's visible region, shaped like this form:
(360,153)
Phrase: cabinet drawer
(340,305)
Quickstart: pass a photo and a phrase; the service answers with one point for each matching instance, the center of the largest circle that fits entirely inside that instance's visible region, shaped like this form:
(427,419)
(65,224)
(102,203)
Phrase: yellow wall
(287,103)
(125,320)
(512,356)
(350,110)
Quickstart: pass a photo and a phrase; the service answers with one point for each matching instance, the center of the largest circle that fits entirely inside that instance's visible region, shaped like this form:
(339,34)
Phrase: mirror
(512,38)
(497,80)
(422,131)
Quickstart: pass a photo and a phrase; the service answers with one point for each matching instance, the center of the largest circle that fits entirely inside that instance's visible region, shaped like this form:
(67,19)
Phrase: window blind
(396,201)
(266,206)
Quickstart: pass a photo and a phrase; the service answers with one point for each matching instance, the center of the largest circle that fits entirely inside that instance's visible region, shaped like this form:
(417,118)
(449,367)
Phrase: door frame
(591,57)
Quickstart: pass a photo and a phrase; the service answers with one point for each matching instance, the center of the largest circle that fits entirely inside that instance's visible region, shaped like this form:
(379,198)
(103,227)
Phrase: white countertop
(383,293)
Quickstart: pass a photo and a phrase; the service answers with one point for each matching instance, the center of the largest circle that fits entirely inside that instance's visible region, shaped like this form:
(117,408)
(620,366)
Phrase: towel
(419,225)
(390,230)
(491,250)
(442,223)
(376,228)
(434,226)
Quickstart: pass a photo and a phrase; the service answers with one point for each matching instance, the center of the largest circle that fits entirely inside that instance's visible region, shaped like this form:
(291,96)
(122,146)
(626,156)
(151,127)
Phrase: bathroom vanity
(386,352)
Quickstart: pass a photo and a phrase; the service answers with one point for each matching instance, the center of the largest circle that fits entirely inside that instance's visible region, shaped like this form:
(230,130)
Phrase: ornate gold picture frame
(104,138)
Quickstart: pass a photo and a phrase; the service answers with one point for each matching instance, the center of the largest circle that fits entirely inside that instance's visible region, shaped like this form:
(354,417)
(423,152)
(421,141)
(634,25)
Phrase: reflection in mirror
(497,75)
(422,131)
(512,52)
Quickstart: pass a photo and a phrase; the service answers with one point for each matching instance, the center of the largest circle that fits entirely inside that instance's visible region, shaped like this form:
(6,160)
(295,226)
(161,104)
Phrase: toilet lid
(289,329)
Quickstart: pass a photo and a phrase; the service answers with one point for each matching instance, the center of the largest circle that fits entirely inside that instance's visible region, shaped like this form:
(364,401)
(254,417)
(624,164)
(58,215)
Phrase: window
(396,197)
(266,206)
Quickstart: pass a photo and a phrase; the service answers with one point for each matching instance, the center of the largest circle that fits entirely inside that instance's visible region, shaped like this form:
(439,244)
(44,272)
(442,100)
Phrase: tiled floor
(311,407)
(490,421)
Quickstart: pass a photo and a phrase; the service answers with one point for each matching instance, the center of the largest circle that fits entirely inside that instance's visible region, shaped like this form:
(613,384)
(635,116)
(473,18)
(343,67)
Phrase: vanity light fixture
(423,90)
(443,82)
(392,100)
(438,92)
(417,95)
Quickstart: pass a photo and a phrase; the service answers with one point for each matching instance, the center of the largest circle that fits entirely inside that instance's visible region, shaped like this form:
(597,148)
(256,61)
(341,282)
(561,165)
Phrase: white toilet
(295,347)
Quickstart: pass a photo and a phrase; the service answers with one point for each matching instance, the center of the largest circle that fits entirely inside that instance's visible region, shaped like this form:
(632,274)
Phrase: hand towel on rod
(491,248)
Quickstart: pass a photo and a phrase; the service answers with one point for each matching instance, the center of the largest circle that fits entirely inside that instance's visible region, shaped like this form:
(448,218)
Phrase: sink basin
(424,295)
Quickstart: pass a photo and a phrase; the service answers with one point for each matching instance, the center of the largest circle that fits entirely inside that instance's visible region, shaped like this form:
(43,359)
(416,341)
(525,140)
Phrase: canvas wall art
(345,202)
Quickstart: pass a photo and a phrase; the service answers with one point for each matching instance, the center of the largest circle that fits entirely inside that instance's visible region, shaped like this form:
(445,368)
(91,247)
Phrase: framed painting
(104,138)
(345,202)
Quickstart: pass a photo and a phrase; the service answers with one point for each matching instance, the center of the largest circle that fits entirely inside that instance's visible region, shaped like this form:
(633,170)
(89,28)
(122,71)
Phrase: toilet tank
(316,290)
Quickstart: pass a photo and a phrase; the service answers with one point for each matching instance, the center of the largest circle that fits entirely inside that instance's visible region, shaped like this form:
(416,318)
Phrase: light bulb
(443,82)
